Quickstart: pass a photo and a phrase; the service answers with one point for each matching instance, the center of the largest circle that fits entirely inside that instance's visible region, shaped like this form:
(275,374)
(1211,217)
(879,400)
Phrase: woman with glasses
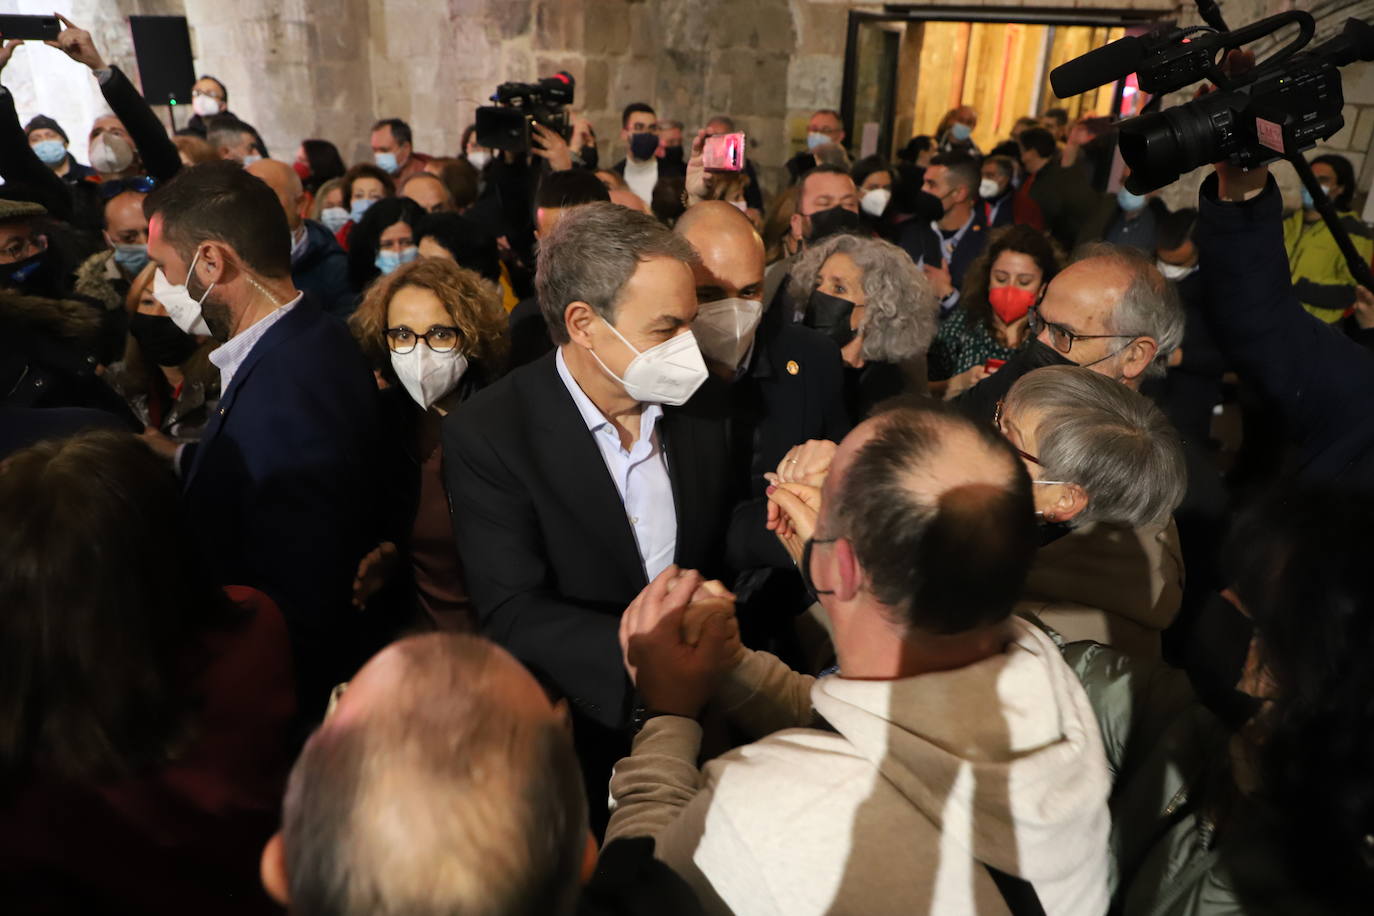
(1108,473)
(436,335)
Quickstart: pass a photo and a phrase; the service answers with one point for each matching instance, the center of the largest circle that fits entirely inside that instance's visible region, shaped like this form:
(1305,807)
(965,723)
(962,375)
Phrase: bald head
(938,512)
(731,251)
(444,781)
(285,183)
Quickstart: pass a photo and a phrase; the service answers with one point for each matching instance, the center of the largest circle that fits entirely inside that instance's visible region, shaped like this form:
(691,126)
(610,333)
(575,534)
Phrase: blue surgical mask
(359,207)
(388,261)
(1307,202)
(387,162)
(51,152)
(816,139)
(1128,201)
(334,218)
(961,132)
(132,258)
(250,159)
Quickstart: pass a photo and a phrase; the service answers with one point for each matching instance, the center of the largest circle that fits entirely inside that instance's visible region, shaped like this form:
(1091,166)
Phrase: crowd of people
(497,533)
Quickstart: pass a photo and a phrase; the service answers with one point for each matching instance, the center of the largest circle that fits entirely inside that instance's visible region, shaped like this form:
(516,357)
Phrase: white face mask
(334,218)
(111,153)
(669,373)
(204,105)
(479,159)
(875,201)
(181,307)
(1175,272)
(725,329)
(988,189)
(427,375)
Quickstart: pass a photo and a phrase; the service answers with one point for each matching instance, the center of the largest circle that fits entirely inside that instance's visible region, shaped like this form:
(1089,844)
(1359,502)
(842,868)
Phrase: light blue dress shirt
(640,475)
(229,355)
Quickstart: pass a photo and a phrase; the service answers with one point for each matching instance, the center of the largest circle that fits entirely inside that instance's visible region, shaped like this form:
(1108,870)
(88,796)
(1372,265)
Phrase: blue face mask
(359,207)
(387,162)
(1307,202)
(816,139)
(132,258)
(961,132)
(389,261)
(1128,201)
(51,152)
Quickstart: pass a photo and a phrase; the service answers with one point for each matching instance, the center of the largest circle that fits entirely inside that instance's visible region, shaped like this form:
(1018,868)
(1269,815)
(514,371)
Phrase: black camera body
(1283,111)
(506,125)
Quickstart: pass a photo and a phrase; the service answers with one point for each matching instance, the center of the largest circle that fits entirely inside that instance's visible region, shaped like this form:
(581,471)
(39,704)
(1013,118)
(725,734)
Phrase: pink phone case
(724,153)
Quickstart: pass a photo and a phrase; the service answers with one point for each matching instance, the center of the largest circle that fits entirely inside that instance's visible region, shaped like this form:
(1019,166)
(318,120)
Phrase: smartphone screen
(724,153)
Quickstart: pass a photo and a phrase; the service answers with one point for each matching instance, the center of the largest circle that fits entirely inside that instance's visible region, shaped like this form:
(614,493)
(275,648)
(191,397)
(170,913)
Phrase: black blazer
(280,490)
(550,557)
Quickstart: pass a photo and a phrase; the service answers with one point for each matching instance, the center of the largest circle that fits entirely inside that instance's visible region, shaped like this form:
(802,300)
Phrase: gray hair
(1111,441)
(900,314)
(441,801)
(590,256)
(1150,306)
(670,125)
(224,132)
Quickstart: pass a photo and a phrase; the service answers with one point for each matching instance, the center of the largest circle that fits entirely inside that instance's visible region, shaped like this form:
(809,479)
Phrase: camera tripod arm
(1358,266)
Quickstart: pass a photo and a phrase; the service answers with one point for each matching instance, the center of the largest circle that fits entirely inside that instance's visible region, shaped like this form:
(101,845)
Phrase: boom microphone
(1104,65)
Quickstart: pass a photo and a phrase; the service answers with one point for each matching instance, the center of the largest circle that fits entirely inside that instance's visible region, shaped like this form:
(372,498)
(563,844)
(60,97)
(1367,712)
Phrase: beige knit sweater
(893,810)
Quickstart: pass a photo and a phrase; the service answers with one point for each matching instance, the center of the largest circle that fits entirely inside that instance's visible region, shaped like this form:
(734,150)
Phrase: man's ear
(849,575)
(798,226)
(1138,356)
(272,869)
(578,318)
(214,264)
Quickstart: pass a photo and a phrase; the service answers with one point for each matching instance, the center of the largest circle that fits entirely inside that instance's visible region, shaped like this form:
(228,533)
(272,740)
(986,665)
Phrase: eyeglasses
(806,565)
(1061,338)
(209,95)
(141,184)
(997,422)
(19,249)
(440,338)
(828,131)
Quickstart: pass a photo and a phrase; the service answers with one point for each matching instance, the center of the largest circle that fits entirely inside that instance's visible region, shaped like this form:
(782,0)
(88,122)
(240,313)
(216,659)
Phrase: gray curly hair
(901,310)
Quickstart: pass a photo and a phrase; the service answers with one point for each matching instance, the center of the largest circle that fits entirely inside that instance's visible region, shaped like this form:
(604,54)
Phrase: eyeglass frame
(457,338)
(1035,318)
(35,243)
(997,422)
(804,567)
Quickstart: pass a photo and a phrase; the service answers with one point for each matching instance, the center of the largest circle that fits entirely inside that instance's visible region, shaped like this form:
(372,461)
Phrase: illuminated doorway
(906,67)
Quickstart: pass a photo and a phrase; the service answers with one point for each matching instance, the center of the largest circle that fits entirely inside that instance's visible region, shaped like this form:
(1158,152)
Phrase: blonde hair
(469,299)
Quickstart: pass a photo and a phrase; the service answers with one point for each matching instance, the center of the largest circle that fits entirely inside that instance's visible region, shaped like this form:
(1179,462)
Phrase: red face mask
(302,170)
(1011,303)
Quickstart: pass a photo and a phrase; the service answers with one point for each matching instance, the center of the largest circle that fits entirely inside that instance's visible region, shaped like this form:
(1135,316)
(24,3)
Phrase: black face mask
(830,315)
(1040,354)
(672,155)
(23,274)
(832,222)
(928,207)
(161,340)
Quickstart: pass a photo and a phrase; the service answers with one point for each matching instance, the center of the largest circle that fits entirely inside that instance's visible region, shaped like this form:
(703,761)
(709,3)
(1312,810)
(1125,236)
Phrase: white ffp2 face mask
(1175,272)
(669,373)
(110,154)
(427,375)
(988,189)
(725,329)
(875,201)
(182,308)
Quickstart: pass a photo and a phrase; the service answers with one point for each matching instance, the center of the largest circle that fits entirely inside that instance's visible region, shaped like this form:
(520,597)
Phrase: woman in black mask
(868,297)
(166,375)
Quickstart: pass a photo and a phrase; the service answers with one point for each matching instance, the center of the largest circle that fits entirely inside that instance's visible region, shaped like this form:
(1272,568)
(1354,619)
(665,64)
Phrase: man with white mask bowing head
(578,478)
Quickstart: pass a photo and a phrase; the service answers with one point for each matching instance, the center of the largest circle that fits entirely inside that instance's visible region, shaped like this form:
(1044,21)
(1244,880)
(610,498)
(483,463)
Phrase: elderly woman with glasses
(1108,473)
(435,333)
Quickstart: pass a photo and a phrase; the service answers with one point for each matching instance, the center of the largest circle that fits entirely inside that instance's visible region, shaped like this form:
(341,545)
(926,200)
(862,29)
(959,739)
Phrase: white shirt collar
(592,415)
(229,356)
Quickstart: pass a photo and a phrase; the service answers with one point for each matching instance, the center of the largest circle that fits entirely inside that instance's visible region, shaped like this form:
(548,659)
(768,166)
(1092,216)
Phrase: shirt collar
(591,414)
(229,356)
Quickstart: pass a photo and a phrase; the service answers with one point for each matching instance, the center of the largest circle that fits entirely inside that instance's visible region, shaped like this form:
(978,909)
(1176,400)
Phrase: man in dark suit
(786,385)
(578,478)
(642,168)
(953,179)
(277,491)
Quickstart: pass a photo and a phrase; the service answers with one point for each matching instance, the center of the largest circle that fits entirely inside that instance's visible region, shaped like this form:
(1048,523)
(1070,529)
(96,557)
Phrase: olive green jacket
(1167,856)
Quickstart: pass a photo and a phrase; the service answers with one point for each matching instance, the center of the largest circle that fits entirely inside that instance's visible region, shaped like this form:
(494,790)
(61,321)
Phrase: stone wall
(328,68)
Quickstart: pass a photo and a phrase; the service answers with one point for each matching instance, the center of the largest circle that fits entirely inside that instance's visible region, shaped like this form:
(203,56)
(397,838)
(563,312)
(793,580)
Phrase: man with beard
(277,490)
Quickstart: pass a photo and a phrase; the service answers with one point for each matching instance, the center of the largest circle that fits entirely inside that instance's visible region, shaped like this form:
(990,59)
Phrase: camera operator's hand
(77,44)
(7,50)
(582,134)
(1364,308)
(672,675)
(698,179)
(1237,185)
(549,145)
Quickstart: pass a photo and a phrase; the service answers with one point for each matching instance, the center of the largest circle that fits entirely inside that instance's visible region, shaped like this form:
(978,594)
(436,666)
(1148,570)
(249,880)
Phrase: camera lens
(1160,147)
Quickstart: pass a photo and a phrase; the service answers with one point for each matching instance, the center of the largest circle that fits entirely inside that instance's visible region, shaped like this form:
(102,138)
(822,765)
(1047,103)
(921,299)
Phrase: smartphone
(38,28)
(993,365)
(724,153)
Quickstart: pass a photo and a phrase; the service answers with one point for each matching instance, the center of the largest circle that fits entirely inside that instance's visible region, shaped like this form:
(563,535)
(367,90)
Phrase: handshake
(680,638)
